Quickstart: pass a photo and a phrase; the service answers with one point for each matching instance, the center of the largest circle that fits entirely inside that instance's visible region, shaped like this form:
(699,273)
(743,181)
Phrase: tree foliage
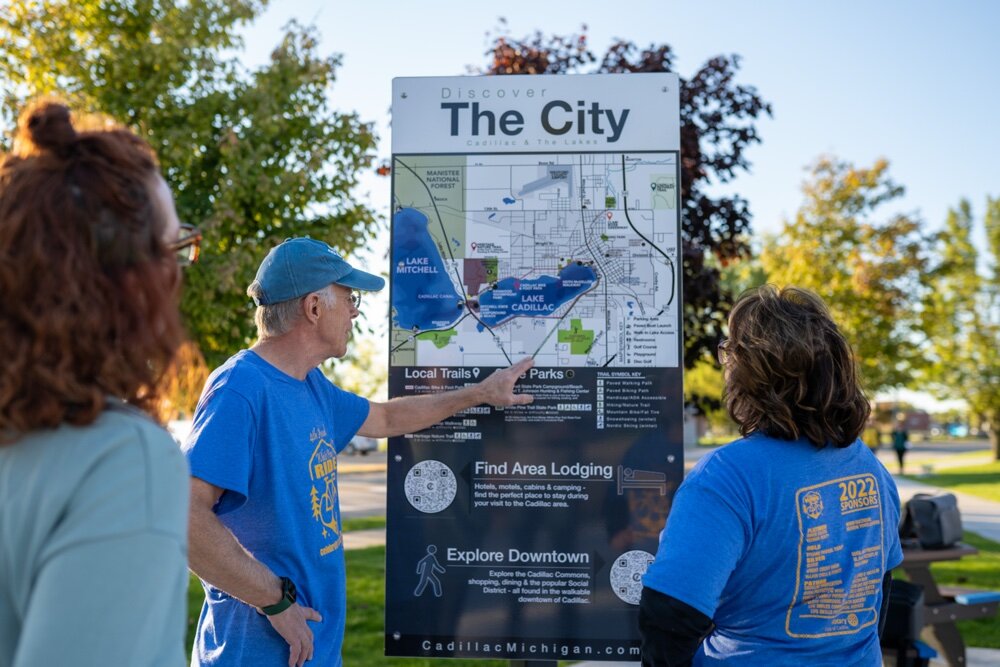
(253,157)
(867,268)
(717,126)
(362,371)
(962,315)
(703,386)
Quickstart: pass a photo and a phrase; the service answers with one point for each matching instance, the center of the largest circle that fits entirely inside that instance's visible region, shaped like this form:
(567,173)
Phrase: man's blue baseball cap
(300,266)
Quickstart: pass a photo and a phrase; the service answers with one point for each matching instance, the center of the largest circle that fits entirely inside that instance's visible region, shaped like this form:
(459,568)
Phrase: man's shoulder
(240,374)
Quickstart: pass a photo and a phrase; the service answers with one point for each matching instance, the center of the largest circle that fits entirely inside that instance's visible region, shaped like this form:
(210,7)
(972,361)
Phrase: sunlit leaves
(253,157)
(865,262)
(962,314)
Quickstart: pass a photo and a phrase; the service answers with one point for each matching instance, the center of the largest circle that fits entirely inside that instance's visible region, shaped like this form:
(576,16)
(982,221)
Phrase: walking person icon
(427,569)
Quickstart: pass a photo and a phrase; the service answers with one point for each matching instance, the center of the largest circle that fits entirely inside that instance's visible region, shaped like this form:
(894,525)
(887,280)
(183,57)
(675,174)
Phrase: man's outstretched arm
(410,414)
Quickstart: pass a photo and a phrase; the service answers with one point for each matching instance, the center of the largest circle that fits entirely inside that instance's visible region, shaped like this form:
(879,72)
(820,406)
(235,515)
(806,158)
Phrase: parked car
(361,444)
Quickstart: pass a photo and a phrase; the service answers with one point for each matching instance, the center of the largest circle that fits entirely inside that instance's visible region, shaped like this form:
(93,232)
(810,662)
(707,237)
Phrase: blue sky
(915,82)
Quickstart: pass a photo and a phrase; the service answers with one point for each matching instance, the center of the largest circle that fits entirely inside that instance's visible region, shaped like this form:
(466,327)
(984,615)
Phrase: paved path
(362,539)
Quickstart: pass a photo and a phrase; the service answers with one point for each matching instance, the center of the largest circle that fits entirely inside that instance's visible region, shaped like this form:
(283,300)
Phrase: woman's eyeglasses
(723,351)
(187,246)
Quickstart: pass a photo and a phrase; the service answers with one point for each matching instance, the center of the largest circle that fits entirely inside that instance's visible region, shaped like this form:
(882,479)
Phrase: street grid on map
(508,230)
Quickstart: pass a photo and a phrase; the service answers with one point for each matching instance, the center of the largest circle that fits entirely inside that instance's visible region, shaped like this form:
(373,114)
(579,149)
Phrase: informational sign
(533,216)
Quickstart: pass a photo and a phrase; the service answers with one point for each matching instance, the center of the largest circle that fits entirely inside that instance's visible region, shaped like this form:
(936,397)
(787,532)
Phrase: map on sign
(568,258)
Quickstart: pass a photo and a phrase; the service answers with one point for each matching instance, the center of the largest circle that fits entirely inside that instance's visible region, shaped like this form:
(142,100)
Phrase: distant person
(93,492)
(266,536)
(900,442)
(779,546)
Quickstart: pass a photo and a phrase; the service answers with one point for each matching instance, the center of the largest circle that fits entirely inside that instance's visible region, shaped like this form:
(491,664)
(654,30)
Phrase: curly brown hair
(789,371)
(89,306)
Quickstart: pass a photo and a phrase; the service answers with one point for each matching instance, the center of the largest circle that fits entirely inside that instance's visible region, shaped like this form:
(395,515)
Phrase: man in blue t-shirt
(265,531)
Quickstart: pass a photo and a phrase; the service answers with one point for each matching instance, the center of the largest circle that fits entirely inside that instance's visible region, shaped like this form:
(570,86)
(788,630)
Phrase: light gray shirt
(93,545)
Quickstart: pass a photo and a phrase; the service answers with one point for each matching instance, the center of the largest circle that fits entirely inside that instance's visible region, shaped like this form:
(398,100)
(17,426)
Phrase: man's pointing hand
(498,388)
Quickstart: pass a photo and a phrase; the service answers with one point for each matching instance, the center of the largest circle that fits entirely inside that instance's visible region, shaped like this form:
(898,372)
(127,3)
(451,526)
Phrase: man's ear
(312,307)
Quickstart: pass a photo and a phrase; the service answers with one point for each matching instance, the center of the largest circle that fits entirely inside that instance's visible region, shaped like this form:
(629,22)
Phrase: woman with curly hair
(778,546)
(93,492)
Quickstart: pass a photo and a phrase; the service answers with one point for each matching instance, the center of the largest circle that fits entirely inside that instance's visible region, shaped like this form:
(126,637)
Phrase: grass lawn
(979,480)
(980,571)
(363,523)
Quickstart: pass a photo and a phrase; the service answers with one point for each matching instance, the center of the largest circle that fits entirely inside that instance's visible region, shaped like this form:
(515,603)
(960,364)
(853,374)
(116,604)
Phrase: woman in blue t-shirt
(779,545)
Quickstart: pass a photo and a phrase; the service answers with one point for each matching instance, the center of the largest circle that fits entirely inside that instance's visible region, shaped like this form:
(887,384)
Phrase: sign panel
(533,216)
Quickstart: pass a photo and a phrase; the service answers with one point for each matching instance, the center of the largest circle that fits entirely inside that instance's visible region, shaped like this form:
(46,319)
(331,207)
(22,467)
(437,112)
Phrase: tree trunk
(993,431)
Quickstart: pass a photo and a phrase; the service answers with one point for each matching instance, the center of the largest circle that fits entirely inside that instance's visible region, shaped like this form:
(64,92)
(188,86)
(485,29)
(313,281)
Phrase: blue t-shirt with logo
(271,442)
(784,547)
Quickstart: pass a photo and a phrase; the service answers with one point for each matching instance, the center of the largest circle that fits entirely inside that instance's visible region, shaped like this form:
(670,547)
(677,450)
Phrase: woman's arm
(671,630)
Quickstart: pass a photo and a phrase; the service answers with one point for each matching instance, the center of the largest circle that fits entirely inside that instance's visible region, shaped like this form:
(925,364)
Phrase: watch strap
(286,601)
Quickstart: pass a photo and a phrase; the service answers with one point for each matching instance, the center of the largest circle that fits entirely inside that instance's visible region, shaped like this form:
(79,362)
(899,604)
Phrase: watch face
(288,588)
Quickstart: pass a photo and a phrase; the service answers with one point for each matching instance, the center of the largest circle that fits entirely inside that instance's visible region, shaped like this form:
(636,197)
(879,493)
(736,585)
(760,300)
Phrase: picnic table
(943,606)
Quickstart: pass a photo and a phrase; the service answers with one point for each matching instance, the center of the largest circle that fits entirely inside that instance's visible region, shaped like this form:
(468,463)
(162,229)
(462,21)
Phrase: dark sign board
(542,222)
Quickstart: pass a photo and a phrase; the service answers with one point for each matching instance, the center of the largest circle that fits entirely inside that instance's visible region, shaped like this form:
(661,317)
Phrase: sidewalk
(362,539)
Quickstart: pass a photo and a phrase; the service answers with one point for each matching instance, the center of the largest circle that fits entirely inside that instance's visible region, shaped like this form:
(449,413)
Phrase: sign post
(533,216)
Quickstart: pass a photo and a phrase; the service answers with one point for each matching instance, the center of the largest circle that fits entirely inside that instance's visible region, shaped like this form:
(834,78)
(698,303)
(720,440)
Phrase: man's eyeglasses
(723,351)
(356,299)
(187,246)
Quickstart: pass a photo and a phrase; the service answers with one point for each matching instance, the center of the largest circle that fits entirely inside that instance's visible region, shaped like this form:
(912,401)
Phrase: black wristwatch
(286,601)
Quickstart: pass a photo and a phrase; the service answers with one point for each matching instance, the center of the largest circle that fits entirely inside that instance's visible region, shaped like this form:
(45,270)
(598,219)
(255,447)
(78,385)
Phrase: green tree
(962,316)
(867,266)
(718,124)
(704,389)
(363,370)
(253,157)
(738,277)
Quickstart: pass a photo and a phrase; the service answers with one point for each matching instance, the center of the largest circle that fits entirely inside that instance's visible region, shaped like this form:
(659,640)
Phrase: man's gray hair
(277,319)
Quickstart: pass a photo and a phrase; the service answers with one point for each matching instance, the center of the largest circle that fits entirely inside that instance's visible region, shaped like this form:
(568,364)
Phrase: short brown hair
(89,287)
(790,373)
